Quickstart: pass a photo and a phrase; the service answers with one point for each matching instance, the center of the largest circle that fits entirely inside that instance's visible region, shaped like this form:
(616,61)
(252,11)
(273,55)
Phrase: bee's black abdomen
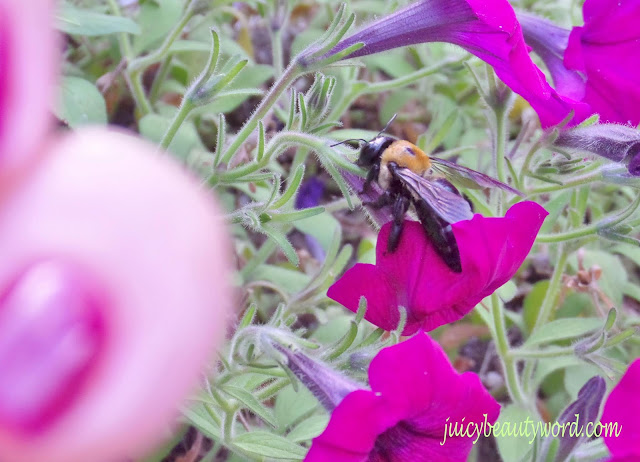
(440,234)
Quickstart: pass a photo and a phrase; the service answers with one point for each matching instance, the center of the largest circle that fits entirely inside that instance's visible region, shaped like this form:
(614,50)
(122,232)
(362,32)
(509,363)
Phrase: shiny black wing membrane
(469,178)
(448,205)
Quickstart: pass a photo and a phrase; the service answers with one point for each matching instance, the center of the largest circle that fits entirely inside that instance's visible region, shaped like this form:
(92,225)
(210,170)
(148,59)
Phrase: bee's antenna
(346,141)
(387,126)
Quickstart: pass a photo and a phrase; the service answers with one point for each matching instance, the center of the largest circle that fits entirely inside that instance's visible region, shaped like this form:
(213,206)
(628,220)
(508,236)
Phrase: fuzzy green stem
(392,84)
(160,77)
(509,364)
(544,353)
(136,88)
(593,229)
(184,110)
(553,291)
(276,45)
(136,66)
(141,63)
(123,38)
(288,76)
(574,183)
(500,150)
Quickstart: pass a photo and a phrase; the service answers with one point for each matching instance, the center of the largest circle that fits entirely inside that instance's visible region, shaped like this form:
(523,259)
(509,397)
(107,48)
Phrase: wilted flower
(619,143)
(594,63)
(416,278)
(621,411)
(488,29)
(416,401)
(113,277)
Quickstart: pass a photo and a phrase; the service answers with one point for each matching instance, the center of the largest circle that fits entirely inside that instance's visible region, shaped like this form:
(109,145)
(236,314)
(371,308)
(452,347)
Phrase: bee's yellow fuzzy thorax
(407,155)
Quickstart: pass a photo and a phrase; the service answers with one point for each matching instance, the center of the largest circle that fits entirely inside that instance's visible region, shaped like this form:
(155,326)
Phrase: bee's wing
(448,205)
(468,177)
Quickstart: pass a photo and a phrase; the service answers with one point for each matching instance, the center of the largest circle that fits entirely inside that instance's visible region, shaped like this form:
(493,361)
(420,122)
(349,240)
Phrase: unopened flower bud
(619,143)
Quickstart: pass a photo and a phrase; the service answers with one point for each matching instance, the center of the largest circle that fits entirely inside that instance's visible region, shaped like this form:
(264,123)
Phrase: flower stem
(123,37)
(502,346)
(184,110)
(500,150)
(593,229)
(289,75)
(544,353)
(553,291)
(575,182)
(136,66)
(548,304)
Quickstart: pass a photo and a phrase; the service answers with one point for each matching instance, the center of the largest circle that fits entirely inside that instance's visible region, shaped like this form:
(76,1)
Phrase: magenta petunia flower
(488,29)
(416,401)
(416,278)
(595,63)
(622,408)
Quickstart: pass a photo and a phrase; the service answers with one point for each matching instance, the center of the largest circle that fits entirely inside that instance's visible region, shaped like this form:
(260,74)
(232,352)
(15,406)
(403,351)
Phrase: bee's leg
(382,201)
(374,171)
(400,207)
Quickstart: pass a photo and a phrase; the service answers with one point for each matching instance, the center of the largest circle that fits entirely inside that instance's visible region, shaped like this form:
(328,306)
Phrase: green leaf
(76,21)
(547,366)
(81,103)
(294,180)
(576,376)
(322,227)
(267,444)
(508,291)
(156,19)
(308,428)
(513,444)
(199,417)
(291,405)
(282,242)
(533,302)
(562,329)
(288,217)
(153,127)
(251,403)
(288,280)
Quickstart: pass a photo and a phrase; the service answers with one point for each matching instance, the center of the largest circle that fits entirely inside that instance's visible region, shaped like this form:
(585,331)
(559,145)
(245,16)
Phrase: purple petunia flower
(595,63)
(488,29)
(416,399)
(622,408)
(416,278)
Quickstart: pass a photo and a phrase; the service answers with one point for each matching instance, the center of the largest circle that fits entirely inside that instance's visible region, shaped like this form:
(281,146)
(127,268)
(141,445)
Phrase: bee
(410,177)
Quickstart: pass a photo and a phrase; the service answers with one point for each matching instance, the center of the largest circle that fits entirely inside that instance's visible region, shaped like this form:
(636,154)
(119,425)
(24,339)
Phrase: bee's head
(371,151)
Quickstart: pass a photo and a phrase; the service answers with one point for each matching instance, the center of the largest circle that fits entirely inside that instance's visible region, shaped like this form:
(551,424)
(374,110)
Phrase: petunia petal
(604,50)
(354,426)
(622,408)
(378,289)
(415,276)
(488,29)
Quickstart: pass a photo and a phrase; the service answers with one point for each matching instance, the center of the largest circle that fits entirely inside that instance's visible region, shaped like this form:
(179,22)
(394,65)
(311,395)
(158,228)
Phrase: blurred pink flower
(622,408)
(114,277)
(488,29)
(415,397)
(28,55)
(595,63)
(416,278)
